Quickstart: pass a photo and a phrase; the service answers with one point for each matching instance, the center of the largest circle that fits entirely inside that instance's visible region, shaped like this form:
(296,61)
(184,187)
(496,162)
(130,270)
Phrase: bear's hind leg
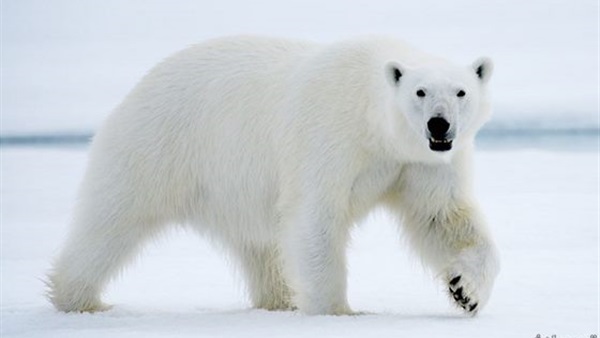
(94,253)
(262,271)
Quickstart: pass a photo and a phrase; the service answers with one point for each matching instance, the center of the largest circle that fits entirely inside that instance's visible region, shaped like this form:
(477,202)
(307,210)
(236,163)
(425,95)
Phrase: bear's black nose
(438,127)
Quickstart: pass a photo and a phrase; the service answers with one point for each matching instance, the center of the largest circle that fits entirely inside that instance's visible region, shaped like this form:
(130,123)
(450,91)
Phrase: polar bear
(274,149)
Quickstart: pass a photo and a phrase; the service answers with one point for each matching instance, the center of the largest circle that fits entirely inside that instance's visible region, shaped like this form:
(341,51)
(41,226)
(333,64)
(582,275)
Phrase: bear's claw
(460,297)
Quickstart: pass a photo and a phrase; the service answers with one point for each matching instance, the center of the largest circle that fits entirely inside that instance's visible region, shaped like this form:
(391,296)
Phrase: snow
(67,64)
(542,205)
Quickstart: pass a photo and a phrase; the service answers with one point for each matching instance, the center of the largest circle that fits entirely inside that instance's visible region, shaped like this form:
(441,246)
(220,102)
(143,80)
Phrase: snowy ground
(542,204)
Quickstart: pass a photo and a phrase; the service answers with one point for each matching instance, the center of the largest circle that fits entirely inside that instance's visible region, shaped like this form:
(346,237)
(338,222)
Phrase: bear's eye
(420,93)
(461,93)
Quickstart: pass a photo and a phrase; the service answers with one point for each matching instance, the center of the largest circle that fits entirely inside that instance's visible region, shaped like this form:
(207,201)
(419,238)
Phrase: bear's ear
(483,68)
(394,72)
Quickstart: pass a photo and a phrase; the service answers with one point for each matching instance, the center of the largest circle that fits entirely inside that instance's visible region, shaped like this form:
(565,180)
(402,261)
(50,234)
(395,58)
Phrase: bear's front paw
(470,278)
(463,295)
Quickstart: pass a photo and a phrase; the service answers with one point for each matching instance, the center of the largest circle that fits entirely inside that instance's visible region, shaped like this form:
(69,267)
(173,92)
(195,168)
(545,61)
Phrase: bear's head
(444,105)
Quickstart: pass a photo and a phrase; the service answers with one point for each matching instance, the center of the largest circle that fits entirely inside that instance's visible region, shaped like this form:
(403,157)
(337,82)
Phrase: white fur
(274,148)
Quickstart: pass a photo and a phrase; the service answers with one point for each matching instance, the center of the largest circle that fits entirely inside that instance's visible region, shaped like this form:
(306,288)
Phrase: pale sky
(66,64)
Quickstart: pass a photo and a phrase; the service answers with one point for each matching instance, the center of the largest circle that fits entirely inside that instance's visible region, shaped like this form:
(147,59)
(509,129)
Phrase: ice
(542,206)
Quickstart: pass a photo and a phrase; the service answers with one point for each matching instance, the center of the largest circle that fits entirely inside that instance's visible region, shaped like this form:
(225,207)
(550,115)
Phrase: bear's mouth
(440,145)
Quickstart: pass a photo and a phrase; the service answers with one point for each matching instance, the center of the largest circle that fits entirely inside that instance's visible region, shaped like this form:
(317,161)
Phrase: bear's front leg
(447,229)
(460,252)
(466,259)
(314,252)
